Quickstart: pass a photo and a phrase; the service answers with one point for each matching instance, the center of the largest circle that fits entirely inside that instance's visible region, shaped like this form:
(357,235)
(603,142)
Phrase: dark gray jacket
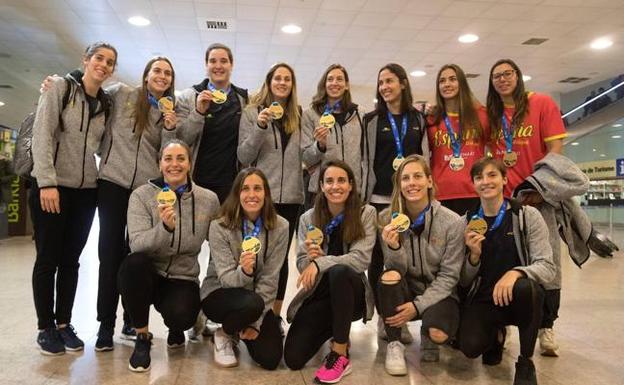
(429,263)
(174,253)
(224,270)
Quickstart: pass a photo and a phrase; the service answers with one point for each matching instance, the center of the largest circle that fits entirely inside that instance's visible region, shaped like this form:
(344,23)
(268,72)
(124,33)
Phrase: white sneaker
(211,328)
(224,354)
(395,359)
(547,342)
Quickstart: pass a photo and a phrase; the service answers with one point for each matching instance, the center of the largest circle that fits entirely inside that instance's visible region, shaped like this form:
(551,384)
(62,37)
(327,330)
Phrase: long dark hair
(320,99)
(468,104)
(352,227)
(495,105)
(142,105)
(231,210)
(406,92)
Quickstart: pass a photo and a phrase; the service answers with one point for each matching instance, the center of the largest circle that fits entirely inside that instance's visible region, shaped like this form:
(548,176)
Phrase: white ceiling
(48,36)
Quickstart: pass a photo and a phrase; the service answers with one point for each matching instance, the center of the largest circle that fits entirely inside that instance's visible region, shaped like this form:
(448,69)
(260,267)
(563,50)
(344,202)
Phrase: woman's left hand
(248,333)
(405,313)
(170,120)
(308,277)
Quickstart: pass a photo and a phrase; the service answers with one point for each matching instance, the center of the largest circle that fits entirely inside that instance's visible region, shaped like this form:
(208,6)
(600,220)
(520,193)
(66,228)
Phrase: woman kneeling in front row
(509,259)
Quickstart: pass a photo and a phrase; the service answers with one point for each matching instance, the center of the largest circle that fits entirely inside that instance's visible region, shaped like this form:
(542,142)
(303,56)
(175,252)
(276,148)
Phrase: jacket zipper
(274,136)
(136,161)
(84,149)
(179,227)
(341,142)
(109,150)
(56,152)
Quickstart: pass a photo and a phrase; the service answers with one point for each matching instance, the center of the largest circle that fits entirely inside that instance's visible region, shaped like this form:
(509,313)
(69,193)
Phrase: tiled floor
(590,331)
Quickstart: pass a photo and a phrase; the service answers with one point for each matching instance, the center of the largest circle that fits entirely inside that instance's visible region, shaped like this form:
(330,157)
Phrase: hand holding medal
(166,199)
(251,243)
(400,221)
(276,110)
(218,96)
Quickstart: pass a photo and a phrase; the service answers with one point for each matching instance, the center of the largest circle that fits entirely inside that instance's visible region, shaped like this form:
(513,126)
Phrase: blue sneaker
(70,339)
(50,343)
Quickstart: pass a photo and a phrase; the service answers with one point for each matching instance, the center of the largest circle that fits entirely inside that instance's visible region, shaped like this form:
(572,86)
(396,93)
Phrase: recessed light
(291,28)
(1,104)
(418,73)
(617,125)
(575,143)
(526,78)
(616,136)
(139,21)
(602,155)
(601,43)
(468,38)
(593,149)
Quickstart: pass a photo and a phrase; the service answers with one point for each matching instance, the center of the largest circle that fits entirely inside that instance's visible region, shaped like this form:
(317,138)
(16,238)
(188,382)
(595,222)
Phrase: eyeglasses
(505,75)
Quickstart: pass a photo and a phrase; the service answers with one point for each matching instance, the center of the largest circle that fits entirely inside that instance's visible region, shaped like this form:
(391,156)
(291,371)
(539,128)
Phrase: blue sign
(619,167)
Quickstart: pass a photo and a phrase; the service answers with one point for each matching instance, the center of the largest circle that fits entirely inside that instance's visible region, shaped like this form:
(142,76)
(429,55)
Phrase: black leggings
(443,315)
(140,286)
(59,240)
(552,300)
(290,212)
(376,266)
(237,308)
(338,300)
(112,247)
(481,320)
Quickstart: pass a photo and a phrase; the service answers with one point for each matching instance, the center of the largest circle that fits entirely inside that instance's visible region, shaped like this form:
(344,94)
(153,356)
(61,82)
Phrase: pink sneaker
(332,370)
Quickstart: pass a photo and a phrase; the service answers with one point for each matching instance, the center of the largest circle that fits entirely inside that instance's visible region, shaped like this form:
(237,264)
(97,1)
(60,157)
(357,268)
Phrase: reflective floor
(590,331)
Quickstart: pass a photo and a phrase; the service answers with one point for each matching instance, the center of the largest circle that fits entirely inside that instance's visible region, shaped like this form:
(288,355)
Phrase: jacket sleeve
(311,152)
(250,136)
(540,266)
(468,271)
(395,259)
(229,271)
(190,122)
(302,254)
(359,256)
(448,273)
(44,127)
(268,277)
(146,234)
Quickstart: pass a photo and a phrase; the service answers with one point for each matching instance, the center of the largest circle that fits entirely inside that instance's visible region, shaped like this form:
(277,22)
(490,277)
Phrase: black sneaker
(70,339)
(140,360)
(104,341)
(525,372)
(50,343)
(128,332)
(494,355)
(175,339)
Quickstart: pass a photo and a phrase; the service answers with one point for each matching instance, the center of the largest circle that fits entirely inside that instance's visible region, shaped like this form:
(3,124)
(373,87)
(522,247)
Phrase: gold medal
(219,96)
(327,120)
(510,158)
(400,221)
(478,225)
(396,163)
(315,235)
(251,244)
(457,163)
(165,104)
(166,197)
(276,110)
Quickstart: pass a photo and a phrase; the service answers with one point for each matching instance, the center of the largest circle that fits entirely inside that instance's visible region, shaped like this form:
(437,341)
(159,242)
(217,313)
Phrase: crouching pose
(508,261)
(423,253)
(168,221)
(248,243)
(331,263)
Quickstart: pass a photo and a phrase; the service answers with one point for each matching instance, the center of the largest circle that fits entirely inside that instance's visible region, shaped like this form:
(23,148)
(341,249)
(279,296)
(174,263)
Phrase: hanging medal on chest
(510,158)
(400,221)
(251,242)
(398,138)
(218,96)
(166,197)
(456,162)
(276,110)
(314,234)
(165,104)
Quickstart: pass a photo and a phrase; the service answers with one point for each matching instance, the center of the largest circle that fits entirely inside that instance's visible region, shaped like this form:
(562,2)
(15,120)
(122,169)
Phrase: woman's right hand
(50,200)
(203,101)
(390,235)
(167,216)
(320,135)
(314,250)
(247,261)
(264,117)
(473,240)
(47,83)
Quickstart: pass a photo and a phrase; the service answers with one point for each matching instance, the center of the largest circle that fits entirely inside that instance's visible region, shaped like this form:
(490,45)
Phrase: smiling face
(504,79)
(100,65)
(159,78)
(448,84)
(489,184)
(389,86)
(415,183)
(336,185)
(281,84)
(175,164)
(252,196)
(336,84)
(219,67)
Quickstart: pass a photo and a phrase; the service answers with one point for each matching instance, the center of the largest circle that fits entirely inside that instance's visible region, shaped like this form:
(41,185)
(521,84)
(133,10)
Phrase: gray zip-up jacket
(130,160)
(358,258)
(559,180)
(67,157)
(174,253)
(430,262)
(343,143)
(368,157)
(224,270)
(531,238)
(262,147)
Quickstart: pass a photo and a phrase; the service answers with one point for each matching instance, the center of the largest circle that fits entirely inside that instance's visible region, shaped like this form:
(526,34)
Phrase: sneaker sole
(81,348)
(139,369)
(175,346)
(346,372)
(47,353)
(397,372)
(127,337)
(104,349)
(550,353)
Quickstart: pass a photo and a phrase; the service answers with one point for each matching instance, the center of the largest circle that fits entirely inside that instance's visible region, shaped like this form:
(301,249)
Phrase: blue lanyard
(256,229)
(455,140)
(420,219)
(152,100)
(398,140)
(330,109)
(334,223)
(499,216)
(507,133)
(179,191)
(212,88)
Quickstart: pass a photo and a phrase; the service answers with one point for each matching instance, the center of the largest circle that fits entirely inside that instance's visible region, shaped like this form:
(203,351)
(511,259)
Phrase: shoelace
(394,351)
(229,342)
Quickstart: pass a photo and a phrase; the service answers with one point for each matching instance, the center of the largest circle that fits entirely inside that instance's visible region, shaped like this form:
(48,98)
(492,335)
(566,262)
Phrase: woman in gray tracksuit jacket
(343,140)
(165,241)
(63,197)
(238,296)
(274,146)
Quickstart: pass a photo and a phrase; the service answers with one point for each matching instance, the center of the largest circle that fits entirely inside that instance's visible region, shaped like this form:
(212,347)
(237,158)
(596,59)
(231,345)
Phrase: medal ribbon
(499,216)
(420,219)
(398,140)
(179,191)
(152,100)
(212,88)
(256,228)
(333,224)
(330,109)
(507,133)
(455,140)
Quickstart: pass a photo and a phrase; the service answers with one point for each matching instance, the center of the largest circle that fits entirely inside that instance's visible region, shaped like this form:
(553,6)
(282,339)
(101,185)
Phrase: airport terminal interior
(570,50)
